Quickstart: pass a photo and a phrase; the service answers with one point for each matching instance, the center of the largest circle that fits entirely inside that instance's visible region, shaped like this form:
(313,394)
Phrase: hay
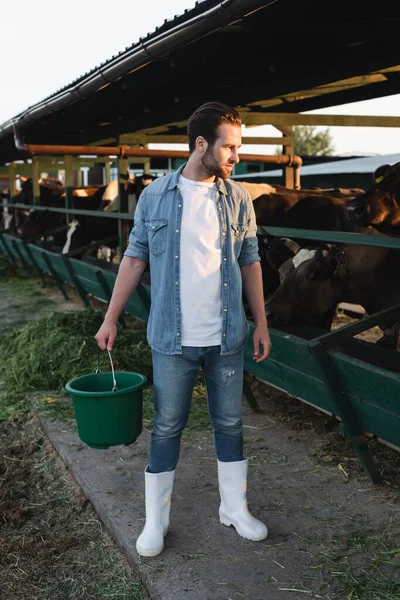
(49,351)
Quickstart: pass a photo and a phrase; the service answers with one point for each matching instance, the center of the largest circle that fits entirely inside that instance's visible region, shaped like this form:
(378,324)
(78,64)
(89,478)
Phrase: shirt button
(223,233)
(225,259)
(178,334)
(224,335)
(177,309)
(177,282)
(176,256)
(225,310)
(177,231)
(179,205)
(153,227)
(225,284)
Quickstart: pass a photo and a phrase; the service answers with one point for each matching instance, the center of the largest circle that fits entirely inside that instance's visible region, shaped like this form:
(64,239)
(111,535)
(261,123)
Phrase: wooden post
(146,165)
(289,172)
(123,226)
(107,172)
(35,180)
(11,169)
(69,183)
(79,178)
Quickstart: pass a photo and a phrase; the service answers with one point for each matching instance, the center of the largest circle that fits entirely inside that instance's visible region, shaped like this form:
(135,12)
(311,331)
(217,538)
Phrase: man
(197,229)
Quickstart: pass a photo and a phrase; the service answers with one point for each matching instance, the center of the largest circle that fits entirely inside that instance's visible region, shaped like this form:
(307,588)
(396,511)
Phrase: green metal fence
(348,378)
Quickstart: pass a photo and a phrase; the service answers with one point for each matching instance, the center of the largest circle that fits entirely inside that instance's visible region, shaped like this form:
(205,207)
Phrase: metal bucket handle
(98,370)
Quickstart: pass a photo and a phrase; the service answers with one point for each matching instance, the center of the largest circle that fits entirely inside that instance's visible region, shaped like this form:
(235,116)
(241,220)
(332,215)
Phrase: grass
(49,351)
(53,545)
(361,565)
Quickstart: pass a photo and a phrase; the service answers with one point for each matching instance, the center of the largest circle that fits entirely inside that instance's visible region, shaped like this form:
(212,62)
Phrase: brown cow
(314,280)
(378,206)
(272,204)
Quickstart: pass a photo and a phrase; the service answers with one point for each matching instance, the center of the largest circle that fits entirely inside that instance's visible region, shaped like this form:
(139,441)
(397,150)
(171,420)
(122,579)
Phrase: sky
(45,46)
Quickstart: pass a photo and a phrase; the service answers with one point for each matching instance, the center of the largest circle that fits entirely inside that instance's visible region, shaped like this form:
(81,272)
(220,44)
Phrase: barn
(354,172)
(245,53)
(357,57)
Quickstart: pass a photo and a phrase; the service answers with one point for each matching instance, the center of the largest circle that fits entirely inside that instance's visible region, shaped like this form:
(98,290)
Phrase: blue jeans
(174,377)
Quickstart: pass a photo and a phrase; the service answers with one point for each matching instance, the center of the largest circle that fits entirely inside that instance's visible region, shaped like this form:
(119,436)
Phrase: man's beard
(211,166)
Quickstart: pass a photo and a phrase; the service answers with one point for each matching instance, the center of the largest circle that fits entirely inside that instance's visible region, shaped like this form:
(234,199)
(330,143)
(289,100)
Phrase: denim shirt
(155,238)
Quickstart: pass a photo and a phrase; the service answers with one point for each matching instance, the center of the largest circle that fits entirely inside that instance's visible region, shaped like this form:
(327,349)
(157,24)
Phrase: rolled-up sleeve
(138,246)
(249,252)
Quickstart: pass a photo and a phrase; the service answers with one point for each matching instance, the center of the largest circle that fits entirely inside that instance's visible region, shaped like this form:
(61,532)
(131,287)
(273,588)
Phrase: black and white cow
(313,281)
(84,231)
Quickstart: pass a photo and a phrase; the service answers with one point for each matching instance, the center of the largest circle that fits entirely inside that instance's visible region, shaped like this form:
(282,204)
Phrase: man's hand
(261,336)
(106,335)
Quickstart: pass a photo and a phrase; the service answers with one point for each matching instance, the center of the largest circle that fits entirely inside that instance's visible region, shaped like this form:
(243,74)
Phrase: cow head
(378,205)
(311,283)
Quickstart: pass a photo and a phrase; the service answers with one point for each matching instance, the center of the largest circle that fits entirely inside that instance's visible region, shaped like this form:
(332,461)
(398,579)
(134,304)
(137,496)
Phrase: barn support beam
(69,181)
(291,175)
(11,171)
(172,138)
(107,172)
(124,227)
(289,119)
(35,180)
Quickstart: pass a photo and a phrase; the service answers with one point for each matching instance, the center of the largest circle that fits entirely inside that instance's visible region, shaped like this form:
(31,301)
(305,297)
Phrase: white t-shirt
(200,265)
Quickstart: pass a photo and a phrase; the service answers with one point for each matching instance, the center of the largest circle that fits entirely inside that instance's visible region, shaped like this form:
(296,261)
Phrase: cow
(291,196)
(378,206)
(7,214)
(83,232)
(314,280)
(275,205)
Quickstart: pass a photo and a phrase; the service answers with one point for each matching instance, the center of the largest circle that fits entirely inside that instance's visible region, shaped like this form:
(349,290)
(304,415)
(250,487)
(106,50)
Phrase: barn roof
(260,56)
(366,164)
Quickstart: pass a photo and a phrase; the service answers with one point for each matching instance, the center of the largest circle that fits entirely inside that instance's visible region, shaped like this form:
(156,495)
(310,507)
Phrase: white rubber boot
(158,489)
(232,479)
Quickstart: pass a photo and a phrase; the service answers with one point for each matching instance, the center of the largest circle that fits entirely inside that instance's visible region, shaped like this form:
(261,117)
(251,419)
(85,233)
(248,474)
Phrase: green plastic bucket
(108,406)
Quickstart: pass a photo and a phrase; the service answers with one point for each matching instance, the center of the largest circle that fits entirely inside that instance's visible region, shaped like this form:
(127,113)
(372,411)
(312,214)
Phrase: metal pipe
(290,160)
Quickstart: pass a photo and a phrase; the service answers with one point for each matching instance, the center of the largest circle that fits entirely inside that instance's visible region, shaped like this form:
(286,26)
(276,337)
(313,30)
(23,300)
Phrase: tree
(309,142)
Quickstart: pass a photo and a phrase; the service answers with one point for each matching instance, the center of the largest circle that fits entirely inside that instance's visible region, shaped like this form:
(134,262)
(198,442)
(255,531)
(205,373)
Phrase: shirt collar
(221,187)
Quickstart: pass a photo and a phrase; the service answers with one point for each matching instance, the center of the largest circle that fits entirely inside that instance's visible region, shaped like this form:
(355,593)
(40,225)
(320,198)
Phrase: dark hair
(205,120)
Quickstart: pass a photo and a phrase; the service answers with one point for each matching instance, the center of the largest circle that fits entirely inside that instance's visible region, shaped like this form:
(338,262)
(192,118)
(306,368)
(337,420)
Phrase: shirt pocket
(157,235)
(238,231)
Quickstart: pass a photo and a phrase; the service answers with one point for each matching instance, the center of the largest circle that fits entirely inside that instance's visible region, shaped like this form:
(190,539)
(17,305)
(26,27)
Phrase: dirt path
(53,545)
(333,535)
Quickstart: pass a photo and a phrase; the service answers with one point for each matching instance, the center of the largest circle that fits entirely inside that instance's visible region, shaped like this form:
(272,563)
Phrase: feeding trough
(108,406)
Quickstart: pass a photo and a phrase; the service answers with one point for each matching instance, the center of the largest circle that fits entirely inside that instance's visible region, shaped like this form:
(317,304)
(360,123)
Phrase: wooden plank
(132,138)
(266,118)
